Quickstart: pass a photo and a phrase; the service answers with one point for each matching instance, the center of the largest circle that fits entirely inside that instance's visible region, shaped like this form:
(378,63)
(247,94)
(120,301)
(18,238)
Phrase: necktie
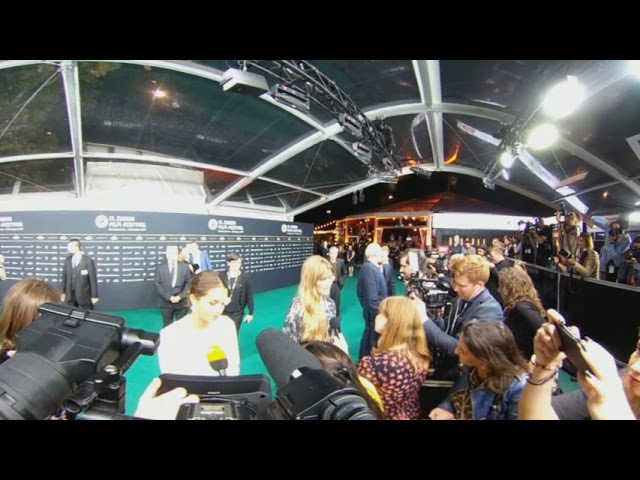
(173,271)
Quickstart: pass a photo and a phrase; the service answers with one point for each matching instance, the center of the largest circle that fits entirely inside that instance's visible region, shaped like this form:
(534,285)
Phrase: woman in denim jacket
(493,375)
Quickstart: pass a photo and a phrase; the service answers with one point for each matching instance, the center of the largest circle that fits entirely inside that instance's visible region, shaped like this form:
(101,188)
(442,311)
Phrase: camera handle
(103,396)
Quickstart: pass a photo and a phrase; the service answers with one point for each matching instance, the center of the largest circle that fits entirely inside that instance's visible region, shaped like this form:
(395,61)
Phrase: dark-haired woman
(188,345)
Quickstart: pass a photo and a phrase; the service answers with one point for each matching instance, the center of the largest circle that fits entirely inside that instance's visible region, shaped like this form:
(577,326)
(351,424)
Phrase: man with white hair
(173,281)
(372,289)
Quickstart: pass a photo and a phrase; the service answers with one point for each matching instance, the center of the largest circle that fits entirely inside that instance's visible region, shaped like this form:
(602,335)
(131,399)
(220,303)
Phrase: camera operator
(612,256)
(469,276)
(568,230)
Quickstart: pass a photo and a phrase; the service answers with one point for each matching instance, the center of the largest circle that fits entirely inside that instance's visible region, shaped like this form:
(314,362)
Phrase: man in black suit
(372,289)
(339,272)
(387,271)
(240,291)
(79,283)
(173,281)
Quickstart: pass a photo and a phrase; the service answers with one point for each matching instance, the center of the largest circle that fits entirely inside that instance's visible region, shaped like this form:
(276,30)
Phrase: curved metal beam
(428,76)
(71,84)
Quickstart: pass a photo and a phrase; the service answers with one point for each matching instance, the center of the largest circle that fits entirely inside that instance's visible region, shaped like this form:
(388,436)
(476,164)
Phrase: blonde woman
(399,365)
(312,309)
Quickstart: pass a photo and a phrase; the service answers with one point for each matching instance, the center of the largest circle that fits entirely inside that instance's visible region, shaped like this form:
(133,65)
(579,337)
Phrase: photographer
(569,230)
(612,256)
(469,276)
(632,258)
(585,263)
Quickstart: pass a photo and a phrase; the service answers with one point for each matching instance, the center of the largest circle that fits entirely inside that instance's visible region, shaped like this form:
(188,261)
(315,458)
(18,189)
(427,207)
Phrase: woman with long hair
(493,375)
(312,309)
(400,363)
(586,263)
(337,362)
(20,309)
(523,311)
(188,346)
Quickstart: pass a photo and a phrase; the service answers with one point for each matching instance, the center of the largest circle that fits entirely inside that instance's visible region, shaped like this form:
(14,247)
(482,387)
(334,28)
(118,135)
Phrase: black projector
(234,80)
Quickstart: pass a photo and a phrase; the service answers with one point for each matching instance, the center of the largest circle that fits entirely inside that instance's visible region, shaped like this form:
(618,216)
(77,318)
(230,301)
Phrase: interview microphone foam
(218,360)
(283,356)
(335,325)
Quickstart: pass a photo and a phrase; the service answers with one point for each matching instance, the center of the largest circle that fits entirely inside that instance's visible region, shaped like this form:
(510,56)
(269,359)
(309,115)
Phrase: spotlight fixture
(421,172)
(239,81)
(362,151)
(489,183)
(350,124)
(291,96)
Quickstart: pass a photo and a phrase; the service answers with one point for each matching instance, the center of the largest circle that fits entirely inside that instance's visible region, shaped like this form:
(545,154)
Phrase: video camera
(74,359)
(434,292)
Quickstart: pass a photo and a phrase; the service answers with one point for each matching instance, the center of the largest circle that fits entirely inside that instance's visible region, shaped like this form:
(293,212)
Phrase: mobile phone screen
(572,348)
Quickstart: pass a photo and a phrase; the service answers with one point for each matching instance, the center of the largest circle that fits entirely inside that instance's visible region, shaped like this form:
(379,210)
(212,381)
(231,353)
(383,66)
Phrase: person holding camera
(569,232)
(473,301)
(606,393)
(585,263)
(632,259)
(612,256)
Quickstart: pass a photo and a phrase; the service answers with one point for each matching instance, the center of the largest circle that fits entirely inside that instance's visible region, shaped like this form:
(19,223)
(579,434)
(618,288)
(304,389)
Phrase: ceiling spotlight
(506,159)
(542,137)
(564,98)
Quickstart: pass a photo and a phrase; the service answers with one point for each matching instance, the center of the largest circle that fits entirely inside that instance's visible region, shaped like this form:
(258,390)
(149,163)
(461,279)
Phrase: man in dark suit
(173,281)
(339,272)
(372,289)
(240,291)
(469,276)
(387,271)
(79,283)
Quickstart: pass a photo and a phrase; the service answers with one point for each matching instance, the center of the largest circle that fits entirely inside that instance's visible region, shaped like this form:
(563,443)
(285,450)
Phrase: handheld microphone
(283,356)
(218,360)
(335,326)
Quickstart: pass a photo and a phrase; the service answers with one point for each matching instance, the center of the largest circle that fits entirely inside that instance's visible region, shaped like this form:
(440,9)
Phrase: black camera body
(434,292)
(632,253)
(70,358)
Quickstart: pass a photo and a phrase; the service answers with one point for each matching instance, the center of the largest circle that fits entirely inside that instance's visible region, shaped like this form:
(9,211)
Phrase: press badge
(611,269)
(84,272)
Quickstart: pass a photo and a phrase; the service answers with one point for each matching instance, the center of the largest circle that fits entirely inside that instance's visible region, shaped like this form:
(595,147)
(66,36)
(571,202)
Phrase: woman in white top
(189,345)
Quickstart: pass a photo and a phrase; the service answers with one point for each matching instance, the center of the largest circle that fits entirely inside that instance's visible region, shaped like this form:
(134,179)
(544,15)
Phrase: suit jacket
(341,272)
(387,270)
(165,291)
(372,289)
(442,335)
(242,295)
(80,280)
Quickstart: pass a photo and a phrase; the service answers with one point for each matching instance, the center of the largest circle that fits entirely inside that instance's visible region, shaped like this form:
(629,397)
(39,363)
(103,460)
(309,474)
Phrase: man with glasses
(473,301)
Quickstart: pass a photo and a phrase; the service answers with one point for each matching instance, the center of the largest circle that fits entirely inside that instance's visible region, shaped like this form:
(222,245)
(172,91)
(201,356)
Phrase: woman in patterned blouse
(311,310)
(399,365)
